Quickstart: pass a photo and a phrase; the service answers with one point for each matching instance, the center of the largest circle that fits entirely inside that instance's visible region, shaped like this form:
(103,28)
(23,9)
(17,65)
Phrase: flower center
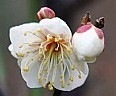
(53,53)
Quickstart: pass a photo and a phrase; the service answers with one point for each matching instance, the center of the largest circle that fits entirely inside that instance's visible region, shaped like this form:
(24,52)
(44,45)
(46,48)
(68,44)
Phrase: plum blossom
(46,56)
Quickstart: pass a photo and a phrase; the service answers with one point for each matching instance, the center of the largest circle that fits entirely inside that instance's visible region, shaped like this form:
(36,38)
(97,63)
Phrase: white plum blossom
(45,55)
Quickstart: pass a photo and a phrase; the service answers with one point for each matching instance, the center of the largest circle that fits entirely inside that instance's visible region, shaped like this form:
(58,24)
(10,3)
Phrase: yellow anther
(73,67)
(68,83)
(79,76)
(32,59)
(26,69)
(50,87)
(40,73)
(58,39)
(71,78)
(63,85)
(20,54)
(61,76)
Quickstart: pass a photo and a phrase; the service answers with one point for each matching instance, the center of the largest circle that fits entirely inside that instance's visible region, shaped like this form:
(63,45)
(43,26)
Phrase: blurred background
(102,78)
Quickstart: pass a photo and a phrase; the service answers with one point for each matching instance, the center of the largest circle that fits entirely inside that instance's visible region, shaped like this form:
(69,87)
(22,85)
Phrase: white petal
(83,67)
(31,77)
(12,50)
(56,26)
(17,35)
(19,62)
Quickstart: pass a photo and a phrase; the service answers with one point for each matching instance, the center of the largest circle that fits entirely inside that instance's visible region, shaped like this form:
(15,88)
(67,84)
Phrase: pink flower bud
(45,12)
(89,26)
(88,40)
(86,25)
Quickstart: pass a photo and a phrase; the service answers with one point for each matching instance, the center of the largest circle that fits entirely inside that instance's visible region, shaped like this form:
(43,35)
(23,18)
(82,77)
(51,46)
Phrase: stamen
(71,63)
(68,83)
(68,48)
(47,62)
(37,33)
(73,67)
(58,39)
(49,38)
(54,68)
(26,69)
(79,76)
(29,62)
(49,67)
(63,85)
(50,87)
(20,54)
(63,68)
(71,78)
(56,49)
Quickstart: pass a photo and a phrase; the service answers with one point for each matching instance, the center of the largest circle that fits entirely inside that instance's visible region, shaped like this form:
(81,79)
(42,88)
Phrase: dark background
(102,77)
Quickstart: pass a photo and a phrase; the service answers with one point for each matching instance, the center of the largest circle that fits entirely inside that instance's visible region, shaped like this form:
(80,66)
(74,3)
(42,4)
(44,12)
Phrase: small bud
(45,12)
(99,23)
(86,19)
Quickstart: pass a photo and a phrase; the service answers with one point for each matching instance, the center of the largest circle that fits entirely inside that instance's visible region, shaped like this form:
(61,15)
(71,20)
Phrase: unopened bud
(45,12)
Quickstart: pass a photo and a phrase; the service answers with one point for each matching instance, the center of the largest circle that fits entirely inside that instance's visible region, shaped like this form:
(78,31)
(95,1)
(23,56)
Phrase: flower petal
(56,26)
(12,50)
(17,35)
(31,77)
(76,80)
